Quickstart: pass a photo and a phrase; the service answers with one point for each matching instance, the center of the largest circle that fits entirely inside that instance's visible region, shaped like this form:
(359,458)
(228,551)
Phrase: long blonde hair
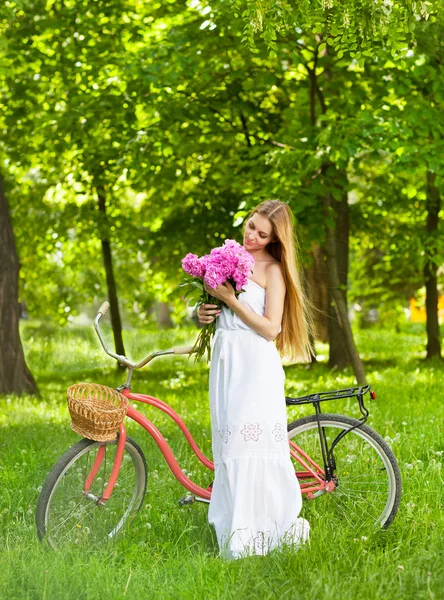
(293,342)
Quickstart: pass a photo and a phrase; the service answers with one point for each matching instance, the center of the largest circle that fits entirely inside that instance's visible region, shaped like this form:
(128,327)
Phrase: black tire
(369,485)
(65,515)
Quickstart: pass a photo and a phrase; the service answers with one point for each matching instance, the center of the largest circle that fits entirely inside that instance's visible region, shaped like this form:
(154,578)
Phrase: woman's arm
(268,325)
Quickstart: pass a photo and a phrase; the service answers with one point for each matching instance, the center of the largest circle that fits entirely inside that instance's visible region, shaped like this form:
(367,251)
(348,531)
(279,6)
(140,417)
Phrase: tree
(15,377)
(158,144)
(358,29)
(74,57)
(406,179)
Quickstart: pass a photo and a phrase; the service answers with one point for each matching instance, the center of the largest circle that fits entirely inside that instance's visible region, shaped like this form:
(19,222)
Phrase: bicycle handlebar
(104,308)
(184,350)
(123,360)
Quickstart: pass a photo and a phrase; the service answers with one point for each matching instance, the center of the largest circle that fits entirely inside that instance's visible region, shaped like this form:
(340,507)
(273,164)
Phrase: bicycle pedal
(186,500)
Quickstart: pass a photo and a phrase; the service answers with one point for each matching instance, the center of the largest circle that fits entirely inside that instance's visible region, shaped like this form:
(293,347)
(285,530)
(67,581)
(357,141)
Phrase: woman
(256,497)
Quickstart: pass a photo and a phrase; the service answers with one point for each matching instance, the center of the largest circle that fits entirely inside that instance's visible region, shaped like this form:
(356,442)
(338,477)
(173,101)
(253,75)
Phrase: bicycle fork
(101,500)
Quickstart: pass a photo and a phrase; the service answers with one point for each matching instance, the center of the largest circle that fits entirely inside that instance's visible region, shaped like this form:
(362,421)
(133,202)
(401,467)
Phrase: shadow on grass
(159,380)
(409,363)
(72,376)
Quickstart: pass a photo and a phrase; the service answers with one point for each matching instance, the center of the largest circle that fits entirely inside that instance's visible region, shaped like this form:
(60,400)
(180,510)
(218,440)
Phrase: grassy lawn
(171,552)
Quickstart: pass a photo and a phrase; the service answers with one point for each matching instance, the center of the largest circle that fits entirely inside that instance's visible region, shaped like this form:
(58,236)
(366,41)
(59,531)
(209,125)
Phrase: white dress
(256,498)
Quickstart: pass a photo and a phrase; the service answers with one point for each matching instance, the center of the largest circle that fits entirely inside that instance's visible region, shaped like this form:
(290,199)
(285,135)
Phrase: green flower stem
(203,341)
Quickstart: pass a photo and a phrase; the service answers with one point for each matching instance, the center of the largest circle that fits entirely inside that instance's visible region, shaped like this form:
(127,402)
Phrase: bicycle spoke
(359,492)
(55,529)
(344,514)
(72,517)
(356,481)
(365,491)
(76,525)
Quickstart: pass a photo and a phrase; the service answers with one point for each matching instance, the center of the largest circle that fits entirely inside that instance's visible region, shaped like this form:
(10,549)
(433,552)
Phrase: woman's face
(258,232)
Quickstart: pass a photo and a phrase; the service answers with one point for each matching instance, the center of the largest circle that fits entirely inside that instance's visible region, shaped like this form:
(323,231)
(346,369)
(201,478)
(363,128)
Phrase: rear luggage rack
(352,392)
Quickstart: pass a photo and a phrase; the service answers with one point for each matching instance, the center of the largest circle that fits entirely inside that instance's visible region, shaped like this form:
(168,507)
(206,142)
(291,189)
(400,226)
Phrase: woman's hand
(224,292)
(207,313)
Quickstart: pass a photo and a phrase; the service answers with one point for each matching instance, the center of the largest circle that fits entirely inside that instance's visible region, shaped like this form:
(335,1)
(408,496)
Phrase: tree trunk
(433,205)
(317,292)
(337,291)
(163,316)
(15,377)
(310,294)
(339,356)
(327,201)
(109,271)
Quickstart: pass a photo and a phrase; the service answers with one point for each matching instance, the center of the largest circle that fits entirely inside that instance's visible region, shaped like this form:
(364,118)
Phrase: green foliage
(358,28)
(184,116)
(391,242)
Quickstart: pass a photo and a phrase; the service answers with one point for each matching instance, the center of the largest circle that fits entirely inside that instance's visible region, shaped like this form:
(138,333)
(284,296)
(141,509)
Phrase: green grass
(171,552)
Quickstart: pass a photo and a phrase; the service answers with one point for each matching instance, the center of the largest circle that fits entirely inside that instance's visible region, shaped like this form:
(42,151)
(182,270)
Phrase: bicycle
(97,487)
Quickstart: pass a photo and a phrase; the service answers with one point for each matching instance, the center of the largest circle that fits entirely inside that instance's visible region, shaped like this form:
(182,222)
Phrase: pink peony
(240,279)
(192,265)
(215,275)
(230,262)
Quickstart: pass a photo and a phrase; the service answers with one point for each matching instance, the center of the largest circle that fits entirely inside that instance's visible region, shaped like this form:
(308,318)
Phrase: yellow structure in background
(418,313)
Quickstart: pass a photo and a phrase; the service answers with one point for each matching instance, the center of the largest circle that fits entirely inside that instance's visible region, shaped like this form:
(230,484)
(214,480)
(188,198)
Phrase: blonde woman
(256,498)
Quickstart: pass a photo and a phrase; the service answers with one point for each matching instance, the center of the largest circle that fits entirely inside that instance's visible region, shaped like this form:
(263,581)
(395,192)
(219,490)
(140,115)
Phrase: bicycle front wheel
(66,515)
(367,477)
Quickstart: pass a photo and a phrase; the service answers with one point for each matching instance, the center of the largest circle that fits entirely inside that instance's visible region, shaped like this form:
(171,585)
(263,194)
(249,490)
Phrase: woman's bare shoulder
(273,266)
(274,272)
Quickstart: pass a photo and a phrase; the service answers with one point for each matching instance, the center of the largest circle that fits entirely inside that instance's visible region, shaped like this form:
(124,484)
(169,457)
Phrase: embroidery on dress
(262,542)
(217,439)
(251,431)
(280,432)
(226,434)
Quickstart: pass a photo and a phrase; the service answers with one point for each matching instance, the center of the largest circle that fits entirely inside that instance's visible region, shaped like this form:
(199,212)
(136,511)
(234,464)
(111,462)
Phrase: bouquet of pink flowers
(230,262)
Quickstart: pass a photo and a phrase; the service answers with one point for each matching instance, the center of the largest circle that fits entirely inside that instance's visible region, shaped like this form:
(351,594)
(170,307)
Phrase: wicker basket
(96,410)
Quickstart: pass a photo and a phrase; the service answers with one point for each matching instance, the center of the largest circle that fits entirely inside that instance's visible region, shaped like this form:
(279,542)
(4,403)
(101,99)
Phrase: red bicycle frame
(312,477)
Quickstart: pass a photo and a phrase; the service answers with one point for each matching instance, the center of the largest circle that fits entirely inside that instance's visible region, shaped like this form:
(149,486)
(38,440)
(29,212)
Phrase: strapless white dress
(256,498)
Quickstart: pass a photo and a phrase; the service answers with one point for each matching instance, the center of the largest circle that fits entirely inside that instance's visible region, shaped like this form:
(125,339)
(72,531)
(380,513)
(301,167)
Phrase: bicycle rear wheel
(65,515)
(367,475)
